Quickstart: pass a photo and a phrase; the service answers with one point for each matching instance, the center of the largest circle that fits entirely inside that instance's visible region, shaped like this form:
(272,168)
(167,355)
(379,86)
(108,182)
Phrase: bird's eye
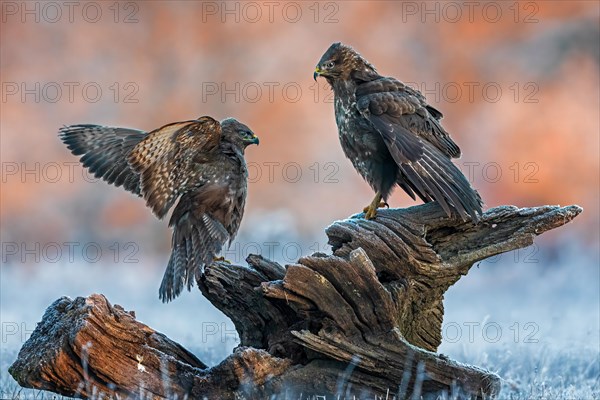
(330,64)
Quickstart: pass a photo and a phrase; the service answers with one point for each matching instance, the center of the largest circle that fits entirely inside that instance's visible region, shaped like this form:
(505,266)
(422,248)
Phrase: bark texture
(366,319)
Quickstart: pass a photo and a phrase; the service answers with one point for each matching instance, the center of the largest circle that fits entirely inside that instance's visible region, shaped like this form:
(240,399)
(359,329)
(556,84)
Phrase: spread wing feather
(104,151)
(166,156)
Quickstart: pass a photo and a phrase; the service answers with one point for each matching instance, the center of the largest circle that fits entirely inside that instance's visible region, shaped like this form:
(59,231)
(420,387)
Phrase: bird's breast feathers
(358,139)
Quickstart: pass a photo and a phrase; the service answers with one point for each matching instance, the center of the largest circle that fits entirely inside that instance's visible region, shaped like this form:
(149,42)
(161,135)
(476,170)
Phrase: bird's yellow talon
(371,210)
(221,259)
(370,213)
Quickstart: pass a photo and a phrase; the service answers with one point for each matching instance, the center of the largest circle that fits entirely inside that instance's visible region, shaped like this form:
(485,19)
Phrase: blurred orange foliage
(181,60)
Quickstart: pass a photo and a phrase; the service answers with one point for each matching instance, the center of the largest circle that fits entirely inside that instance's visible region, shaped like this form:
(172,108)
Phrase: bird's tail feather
(196,241)
(104,152)
(435,177)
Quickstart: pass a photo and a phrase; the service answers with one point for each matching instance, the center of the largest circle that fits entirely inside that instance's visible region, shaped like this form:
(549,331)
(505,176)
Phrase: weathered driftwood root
(366,319)
(87,347)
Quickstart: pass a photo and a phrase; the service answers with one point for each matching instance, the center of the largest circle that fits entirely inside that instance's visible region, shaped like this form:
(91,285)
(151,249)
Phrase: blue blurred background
(518,84)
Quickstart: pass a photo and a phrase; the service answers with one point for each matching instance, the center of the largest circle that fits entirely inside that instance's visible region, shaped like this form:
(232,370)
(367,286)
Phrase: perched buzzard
(392,136)
(200,163)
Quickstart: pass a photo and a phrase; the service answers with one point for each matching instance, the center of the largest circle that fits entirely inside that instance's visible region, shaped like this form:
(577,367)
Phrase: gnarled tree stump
(365,320)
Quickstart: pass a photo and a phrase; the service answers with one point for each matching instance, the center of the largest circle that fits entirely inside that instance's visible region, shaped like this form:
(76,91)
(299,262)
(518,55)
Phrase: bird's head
(340,62)
(238,133)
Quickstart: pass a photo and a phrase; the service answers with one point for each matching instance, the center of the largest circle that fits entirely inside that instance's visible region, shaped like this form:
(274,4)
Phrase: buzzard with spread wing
(199,164)
(392,136)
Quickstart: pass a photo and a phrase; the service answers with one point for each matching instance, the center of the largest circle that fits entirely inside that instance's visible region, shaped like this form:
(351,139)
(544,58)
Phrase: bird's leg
(371,210)
(221,259)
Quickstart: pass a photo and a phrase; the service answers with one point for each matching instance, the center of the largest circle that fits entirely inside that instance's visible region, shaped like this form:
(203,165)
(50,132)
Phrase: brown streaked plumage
(392,136)
(197,164)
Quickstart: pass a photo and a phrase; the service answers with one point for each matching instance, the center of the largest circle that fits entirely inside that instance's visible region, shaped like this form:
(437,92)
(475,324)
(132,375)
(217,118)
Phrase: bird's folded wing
(435,177)
(105,150)
(421,151)
(165,160)
(388,113)
(392,105)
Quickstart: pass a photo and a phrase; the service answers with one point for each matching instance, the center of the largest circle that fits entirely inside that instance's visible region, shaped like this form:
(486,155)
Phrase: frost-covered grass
(543,373)
(546,374)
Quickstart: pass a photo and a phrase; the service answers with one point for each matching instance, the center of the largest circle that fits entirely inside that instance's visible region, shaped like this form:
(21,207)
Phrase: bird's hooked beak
(317,73)
(253,140)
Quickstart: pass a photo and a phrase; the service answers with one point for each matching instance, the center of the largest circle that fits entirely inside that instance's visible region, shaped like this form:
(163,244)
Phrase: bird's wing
(425,166)
(104,152)
(165,160)
(396,106)
(198,237)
